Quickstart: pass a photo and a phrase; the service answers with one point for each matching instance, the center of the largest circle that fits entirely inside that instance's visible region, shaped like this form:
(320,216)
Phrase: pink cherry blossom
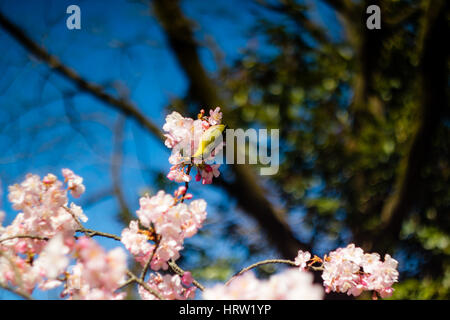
(75,183)
(78,212)
(215,116)
(383,277)
(152,208)
(53,260)
(137,243)
(302,259)
(350,270)
(180,191)
(208,172)
(187,279)
(178,174)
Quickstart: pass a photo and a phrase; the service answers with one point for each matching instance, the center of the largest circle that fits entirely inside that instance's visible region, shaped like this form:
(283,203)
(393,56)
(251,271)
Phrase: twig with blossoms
(142,283)
(174,220)
(20,293)
(17,291)
(347,270)
(133,278)
(47,228)
(185,136)
(90,233)
(47,218)
(186,184)
(172,264)
(181,272)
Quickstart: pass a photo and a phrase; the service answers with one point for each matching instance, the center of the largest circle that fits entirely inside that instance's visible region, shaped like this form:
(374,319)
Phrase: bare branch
(95,90)
(343,7)
(147,265)
(116,163)
(258,264)
(295,11)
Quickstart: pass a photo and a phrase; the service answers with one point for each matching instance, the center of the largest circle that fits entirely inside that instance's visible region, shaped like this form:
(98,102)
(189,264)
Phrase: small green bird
(207,140)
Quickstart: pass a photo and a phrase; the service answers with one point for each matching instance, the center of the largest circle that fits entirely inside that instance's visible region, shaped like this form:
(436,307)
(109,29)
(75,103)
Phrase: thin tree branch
(147,265)
(116,163)
(269,261)
(92,233)
(145,285)
(258,264)
(93,89)
(24,236)
(181,272)
(126,283)
(186,184)
(89,232)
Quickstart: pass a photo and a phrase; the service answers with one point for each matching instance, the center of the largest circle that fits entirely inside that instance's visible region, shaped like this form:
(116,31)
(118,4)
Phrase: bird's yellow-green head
(207,140)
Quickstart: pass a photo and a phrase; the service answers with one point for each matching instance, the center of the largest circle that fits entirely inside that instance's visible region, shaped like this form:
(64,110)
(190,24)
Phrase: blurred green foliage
(348,111)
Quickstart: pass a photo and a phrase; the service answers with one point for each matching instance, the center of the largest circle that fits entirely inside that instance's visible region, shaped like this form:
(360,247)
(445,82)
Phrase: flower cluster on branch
(350,270)
(188,138)
(42,247)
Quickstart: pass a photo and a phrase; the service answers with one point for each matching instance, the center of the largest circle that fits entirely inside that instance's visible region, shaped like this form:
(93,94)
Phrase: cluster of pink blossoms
(183,137)
(287,285)
(346,270)
(350,270)
(170,287)
(166,221)
(44,211)
(37,247)
(98,274)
